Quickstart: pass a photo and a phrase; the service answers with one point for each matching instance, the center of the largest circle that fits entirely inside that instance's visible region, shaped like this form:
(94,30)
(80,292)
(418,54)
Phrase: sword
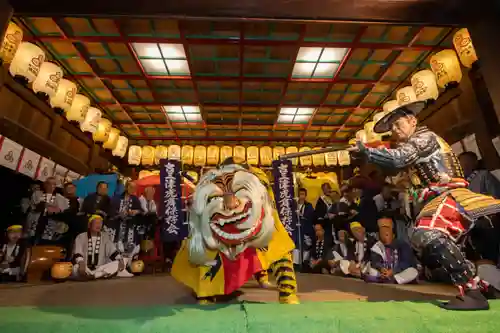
(313,152)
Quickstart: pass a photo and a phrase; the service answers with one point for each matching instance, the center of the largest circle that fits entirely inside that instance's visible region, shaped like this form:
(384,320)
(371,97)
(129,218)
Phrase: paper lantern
(144,174)
(137,266)
(11,41)
(200,155)
(48,79)
(253,155)
(464,47)
(174,152)
(91,121)
(343,158)
(103,130)
(187,154)
(371,136)
(63,98)
(213,155)
(352,141)
(331,158)
(446,67)
(318,159)
(406,95)
(277,152)
(266,156)
(161,152)
(390,105)
(225,153)
(239,154)
(112,141)
(290,150)
(27,62)
(305,161)
(78,109)
(425,86)
(134,155)
(121,147)
(61,270)
(361,136)
(148,155)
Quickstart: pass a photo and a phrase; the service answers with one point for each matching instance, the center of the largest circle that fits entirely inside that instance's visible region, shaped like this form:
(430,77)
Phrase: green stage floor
(345,317)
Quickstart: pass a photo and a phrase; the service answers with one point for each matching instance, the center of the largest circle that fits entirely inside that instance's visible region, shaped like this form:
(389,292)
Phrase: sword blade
(313,152)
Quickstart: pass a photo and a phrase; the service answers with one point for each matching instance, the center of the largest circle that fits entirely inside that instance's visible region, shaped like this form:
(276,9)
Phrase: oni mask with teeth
(231,211)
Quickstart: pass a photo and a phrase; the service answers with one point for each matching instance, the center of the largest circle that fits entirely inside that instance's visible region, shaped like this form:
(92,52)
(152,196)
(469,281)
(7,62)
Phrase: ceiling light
(183,114)
(315,62)
(162,59)
(295,115)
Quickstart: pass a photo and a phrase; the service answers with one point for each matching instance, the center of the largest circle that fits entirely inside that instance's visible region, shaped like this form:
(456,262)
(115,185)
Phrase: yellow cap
(94,217)
(355,225)
(384,222)
(15,227)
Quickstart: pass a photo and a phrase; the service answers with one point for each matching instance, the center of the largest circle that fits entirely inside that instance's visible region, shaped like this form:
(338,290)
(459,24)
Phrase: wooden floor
(163,289)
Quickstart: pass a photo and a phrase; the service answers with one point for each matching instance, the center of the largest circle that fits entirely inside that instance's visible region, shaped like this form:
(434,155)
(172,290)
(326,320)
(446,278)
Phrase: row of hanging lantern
(212,155)
(445,73)
(28,65)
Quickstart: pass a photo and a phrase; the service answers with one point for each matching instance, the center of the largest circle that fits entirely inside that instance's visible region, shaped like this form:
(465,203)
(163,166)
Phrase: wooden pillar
(5,15)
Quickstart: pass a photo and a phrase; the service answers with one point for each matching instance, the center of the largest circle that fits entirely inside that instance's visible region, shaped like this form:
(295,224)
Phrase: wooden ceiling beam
(407,11)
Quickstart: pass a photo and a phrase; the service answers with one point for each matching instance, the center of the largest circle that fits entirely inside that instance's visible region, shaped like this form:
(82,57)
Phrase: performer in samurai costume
(450,210)
(235,234)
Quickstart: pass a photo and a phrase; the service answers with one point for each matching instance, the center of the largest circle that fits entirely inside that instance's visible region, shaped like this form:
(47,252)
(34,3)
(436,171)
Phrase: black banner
(284,196)
(173,228)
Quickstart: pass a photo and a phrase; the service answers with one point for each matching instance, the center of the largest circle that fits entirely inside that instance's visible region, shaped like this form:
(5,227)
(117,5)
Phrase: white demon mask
(231,210)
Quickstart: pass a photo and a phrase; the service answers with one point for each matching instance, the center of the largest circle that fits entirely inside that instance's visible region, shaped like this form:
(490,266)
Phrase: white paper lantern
(361,136)
(103,130)
(134,155)
(406,95)
(91,121)
(78,109)
(27,61)
(425,86)
(48,79)
(161,152)
(11,41)
(390,105)
(446,67)
(121,147)
(112,141)
(63,98)
(465,49)
(371,136)
(148,155)
(344,158)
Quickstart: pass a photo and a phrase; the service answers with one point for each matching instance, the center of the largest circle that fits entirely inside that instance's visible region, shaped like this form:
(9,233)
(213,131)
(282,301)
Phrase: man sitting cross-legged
(95,255)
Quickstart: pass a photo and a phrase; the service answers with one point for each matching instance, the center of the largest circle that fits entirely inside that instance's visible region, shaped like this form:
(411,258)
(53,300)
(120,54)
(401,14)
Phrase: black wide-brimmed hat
(385,123)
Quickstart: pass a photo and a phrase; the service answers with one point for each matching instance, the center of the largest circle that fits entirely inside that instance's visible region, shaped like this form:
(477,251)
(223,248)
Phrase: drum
(60,271)
(137,266)
(38,261)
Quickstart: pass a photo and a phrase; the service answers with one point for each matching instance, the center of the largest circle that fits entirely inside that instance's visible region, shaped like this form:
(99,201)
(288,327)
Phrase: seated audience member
(322,252)
(11,253)
(346,209)
(98,202)
(322,210)
(45,221)
(390,206)
(480,180)
(391,260)
(363,243)
(95,255)
(343,252)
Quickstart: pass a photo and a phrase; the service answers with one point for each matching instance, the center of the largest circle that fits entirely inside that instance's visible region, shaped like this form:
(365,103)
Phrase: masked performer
(450,208)
(44,222)
(235,233)
(11,253)
(391,260)
(95,255)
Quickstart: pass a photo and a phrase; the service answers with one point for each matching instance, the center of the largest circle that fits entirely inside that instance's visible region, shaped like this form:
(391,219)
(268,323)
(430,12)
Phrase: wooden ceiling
(164,81)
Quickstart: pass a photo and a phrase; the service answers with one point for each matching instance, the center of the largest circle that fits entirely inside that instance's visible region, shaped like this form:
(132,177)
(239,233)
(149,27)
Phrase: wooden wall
(29,121)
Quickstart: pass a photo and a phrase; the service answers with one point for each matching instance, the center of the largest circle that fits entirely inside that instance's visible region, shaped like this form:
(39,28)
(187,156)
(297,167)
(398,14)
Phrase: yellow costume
(235,234)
